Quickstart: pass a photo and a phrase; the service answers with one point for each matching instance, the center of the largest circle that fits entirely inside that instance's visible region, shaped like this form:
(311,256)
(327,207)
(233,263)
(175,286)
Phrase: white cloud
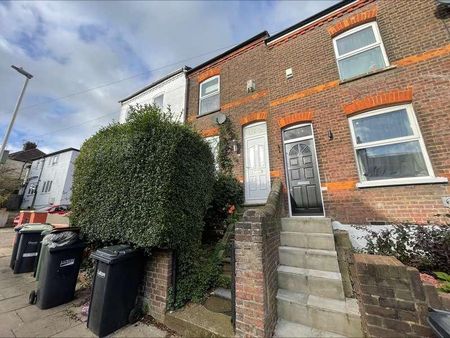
(73,46)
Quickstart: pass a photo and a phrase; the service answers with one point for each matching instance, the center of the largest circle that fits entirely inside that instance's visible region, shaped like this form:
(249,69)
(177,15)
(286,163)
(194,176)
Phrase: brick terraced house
(349,108)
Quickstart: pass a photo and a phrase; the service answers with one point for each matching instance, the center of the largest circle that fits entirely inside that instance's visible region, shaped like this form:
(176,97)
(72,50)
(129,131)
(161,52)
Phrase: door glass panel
(392,161)
(382,127)
(251,157)
(261,156)
(298,132)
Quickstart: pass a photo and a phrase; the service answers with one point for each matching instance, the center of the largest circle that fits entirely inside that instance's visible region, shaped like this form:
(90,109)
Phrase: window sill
(367,74)
(206,114)
(407,181)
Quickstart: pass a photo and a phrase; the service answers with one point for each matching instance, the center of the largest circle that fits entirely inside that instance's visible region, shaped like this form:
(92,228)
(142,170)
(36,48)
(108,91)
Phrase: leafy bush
(445,281)
(424,247)
(148,183)
(227,197)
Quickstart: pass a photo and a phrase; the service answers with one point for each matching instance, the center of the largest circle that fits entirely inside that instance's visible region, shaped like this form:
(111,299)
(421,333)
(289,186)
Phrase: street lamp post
(28,76)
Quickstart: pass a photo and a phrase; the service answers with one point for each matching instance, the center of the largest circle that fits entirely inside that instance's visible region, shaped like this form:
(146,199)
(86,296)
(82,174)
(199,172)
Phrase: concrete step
(314,282)
(338,316)
(307,224)
(290,329)
(324,260)
(195,320)
(319,241)
(219,301)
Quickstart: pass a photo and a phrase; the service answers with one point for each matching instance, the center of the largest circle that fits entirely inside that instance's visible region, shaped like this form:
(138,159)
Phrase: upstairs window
(360,51)
(209,95)
(159,101)
(389,146)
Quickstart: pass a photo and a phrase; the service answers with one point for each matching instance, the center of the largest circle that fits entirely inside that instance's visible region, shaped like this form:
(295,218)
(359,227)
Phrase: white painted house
(49,180)
(169,91)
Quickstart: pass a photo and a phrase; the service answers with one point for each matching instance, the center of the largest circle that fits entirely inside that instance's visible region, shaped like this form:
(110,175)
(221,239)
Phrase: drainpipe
(37,185)
(186,97)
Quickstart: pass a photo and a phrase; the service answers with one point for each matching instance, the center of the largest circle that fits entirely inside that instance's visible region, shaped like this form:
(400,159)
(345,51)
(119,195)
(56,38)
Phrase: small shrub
(227,197)
(424,247)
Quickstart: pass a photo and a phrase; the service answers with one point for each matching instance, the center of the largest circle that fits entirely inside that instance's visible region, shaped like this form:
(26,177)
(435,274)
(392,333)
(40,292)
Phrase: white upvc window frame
(417,136)
(377,43)
(200,97)
(157,96)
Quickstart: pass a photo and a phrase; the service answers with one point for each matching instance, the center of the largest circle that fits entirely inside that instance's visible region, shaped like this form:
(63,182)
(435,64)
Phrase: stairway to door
(310,299)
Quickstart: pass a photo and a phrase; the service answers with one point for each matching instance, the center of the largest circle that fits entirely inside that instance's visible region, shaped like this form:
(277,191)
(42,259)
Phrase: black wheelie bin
(16,242)
(62,253)
(27,250)
(118,273)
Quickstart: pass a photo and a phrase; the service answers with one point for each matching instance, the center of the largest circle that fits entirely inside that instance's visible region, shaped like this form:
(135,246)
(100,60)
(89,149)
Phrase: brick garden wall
(156,283)
(391,298)
(418,49)
(257,238)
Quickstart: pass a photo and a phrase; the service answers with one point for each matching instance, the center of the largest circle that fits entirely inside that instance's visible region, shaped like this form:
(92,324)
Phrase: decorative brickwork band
(208,73)
(253,117)
(245,100)
(353,21)
(210,132)
(409,60)
(377,101)
(295,118)
(340,185)
(275,173)
(304,93)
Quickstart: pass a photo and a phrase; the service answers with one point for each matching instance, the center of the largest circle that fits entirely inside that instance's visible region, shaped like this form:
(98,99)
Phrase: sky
(86,55)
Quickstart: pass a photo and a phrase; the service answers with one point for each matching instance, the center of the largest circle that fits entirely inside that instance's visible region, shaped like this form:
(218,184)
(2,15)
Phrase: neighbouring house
(14,172)
(49,180)
(348,108)
(168,92)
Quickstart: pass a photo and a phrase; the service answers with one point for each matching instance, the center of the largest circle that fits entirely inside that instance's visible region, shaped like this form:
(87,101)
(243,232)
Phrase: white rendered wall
(174,90)
(60,173)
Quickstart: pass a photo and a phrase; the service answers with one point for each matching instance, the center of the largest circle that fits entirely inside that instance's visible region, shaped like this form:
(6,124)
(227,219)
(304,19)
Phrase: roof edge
(310,19)
(60,152)
(263,34)
(157,82)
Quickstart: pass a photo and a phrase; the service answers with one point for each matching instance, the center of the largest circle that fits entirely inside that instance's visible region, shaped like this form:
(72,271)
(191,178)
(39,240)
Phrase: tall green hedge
(147,182)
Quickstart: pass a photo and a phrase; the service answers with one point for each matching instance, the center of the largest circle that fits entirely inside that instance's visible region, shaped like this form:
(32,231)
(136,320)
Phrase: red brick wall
(156,283)
(417,46)
(257,238)
(391,298)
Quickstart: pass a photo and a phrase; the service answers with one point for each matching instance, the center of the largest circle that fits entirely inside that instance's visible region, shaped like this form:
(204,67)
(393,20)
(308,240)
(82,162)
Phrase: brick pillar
(38,217)
(157,281)
(391,298)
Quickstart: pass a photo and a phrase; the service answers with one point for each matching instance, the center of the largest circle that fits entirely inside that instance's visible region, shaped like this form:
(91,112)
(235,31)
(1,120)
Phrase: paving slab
(47,326)
(139,330)
(9,321)
(14,303)
(79,330)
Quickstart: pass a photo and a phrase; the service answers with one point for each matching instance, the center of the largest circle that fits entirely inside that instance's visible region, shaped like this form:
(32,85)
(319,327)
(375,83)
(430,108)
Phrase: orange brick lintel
(245,100)
(210,132)
(253,117)
(353,21)
(376,101)
(295,118)
(340,185)
(208,73)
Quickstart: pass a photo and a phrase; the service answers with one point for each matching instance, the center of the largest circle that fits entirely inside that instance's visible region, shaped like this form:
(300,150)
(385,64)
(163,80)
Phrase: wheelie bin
(38,260)
(58,270)
(118,273)
(27,250)
(17,228)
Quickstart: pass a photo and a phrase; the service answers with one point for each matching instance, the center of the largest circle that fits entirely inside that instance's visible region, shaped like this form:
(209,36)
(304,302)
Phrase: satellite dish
(221,118)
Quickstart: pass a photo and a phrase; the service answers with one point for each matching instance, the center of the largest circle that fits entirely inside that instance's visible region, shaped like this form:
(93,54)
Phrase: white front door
(256,162)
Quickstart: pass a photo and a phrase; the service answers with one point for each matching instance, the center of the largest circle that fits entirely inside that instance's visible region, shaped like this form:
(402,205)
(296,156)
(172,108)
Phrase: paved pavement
(19,319)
